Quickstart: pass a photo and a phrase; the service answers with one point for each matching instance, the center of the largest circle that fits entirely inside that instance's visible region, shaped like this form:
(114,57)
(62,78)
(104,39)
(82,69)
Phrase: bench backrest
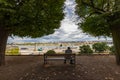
(59,54)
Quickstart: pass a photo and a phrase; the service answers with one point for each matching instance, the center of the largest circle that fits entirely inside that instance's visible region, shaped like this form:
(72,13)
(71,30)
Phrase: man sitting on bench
(68,57)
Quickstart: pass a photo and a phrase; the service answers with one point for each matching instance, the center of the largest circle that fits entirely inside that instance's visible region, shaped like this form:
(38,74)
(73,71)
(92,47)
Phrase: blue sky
(68,30)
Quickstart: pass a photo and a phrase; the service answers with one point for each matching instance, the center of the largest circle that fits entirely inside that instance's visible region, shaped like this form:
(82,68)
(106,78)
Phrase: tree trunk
(3,40)
(116,41)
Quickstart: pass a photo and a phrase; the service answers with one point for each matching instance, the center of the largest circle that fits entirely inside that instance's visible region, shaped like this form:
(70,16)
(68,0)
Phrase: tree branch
(98,10)
(91,1)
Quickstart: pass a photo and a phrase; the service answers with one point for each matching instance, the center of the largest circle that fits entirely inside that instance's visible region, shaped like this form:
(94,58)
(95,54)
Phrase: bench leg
(65,61)
(45,62)
(71,61)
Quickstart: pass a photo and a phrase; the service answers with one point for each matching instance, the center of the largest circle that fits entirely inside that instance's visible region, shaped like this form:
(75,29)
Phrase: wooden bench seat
(57,57)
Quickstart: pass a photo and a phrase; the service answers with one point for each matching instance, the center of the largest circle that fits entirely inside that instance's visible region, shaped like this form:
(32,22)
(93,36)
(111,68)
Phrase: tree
(100,47)
(85,49)
(101,18)
(31,18)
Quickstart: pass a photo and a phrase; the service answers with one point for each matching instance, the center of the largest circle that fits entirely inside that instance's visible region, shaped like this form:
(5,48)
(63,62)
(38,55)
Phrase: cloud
(68,30)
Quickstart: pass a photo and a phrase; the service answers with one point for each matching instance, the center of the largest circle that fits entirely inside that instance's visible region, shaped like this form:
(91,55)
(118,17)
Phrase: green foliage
(50,52)
(14,51)
(85,49)
(98,17)
(96,26)
(31,18)
(112,50)
(100,47)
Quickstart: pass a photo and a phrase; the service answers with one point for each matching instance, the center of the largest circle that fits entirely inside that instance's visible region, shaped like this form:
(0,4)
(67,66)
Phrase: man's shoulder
(68,51)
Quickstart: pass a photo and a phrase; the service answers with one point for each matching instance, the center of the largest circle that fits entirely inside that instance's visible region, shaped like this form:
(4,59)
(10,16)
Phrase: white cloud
(68,30)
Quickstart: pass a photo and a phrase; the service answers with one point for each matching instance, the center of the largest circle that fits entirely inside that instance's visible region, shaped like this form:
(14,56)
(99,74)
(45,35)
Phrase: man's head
(68,47)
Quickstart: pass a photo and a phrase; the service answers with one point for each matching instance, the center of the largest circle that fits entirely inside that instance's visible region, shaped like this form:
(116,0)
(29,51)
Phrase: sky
(68,30)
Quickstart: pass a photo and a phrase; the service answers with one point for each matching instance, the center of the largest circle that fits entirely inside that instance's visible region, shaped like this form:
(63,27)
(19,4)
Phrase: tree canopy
(32,18)
(98,16)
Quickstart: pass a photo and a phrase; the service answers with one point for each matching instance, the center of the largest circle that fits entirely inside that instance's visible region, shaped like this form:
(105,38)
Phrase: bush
(112,50)
(100,47)
(50,52)
(85,49)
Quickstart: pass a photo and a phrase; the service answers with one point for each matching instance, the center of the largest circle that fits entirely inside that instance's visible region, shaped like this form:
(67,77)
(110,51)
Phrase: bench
(57,57)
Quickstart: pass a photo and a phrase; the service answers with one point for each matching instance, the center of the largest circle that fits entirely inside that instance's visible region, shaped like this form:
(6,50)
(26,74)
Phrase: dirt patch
(86,68)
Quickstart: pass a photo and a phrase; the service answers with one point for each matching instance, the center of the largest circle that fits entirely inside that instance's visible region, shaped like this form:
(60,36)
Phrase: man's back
(68,51)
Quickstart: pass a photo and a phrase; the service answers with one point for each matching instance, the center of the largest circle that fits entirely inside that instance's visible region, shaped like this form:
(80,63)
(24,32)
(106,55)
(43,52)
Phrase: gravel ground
(99,67)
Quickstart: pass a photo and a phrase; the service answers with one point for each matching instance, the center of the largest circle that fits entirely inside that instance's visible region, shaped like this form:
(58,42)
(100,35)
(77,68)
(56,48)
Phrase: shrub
(85,49)
(100,47)
(112,50)
(50,52)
